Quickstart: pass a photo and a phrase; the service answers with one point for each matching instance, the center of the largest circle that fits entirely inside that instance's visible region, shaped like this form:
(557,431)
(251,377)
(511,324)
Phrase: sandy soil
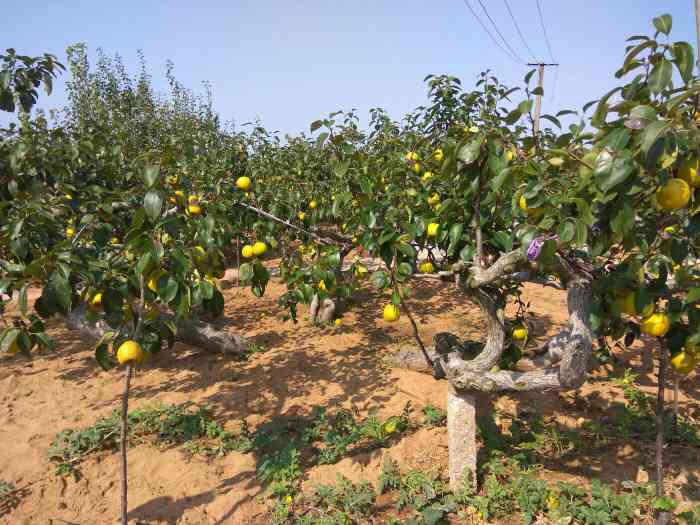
(301,367)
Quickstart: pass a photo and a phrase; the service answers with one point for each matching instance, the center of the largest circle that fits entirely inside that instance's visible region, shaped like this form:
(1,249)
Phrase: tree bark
(192,332)
(461,438)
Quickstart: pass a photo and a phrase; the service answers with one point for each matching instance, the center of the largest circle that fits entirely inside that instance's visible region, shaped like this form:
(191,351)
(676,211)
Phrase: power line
(486,29)
(544,31)
(499,33)
(517,27)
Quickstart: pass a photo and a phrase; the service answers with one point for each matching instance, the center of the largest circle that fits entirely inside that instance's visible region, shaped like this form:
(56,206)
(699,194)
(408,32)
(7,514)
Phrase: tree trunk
(192,332)
(662,517)
(123,445)
(461,437)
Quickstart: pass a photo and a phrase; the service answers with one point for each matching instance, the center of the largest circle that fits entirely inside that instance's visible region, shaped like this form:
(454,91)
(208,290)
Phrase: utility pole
(540,85)
(697,25)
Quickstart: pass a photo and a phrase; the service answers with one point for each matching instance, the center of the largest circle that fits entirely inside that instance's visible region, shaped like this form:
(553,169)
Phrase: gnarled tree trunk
(199,334)
(562,364)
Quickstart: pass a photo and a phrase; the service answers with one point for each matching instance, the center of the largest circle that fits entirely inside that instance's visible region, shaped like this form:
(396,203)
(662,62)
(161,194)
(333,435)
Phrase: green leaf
(23,299)
(379,279)
(623,221)
(470,151)
(9,336)
(102,357)
(622,167)
(167,288)
(616,139)
(404,269)
(643,112)
(660,76)
(245,272)
(152,204)
(652,133)
(150,175)
(683,57)
(567,230)
(693,295)
(663,23)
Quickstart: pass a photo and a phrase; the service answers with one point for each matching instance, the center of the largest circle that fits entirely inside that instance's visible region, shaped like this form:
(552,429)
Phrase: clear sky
(291,62)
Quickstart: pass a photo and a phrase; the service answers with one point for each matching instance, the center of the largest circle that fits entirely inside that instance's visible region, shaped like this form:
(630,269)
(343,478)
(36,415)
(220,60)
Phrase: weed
(9,497)
(433,416)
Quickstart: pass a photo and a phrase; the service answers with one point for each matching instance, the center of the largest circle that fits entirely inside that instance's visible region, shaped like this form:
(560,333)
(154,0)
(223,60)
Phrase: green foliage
(433,416)
(160,425)
(9,496)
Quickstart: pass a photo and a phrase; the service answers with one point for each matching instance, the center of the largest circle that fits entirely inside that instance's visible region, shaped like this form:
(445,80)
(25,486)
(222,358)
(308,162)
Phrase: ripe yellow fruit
(70,232)
(689,172)
(510,155)
(313,204)
(520,333)
(390,427)
(426,176)
(416,167)
(361,271)
(301,215)
(130,352)
(674,195)
(434,199)
(671,229)
(96,301)
(259,248)
(656,325)
(247,251)
(193,199)
(322,286)
(338,322)
(426,267)
(69,197)
(438,155)
(180,194)
(243,183)
(412,155)
(114,240)
(433,228)
(391,313)
(194,209)
(522,204)
(153,279)
(683,362)
(200,254)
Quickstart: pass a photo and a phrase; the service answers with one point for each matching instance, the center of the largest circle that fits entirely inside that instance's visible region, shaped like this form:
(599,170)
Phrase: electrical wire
(486,29)
(517,28)
(544,31)
(499,32)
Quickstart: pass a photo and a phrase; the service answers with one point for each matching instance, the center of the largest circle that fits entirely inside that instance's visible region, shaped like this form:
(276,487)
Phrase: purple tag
(533,251)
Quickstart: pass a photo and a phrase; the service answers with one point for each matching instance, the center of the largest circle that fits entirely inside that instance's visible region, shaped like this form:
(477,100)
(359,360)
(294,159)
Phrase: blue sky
(291,62)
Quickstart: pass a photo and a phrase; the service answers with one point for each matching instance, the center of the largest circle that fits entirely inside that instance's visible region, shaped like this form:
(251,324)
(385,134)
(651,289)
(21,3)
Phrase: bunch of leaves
(342,433)
(636,417)
(9,496)
(343,503)
(433,416)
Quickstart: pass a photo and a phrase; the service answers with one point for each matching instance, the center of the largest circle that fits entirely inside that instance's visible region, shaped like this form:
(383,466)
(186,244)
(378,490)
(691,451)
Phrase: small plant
(345,502)
(8,496)
(433,416)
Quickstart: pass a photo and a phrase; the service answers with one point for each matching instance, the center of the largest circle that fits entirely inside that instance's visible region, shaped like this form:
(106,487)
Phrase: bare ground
(301,366)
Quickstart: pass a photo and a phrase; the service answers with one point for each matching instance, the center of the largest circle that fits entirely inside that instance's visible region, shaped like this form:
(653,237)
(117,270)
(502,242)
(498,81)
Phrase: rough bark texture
(461,437)
(321,312)
(195,333)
